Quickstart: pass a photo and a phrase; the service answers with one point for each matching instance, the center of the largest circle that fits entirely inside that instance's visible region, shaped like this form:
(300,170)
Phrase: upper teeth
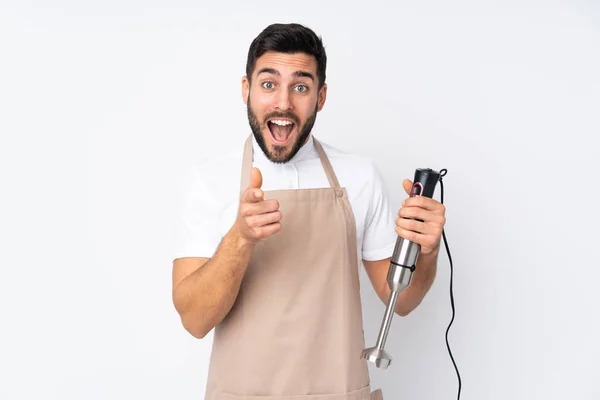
(281,122)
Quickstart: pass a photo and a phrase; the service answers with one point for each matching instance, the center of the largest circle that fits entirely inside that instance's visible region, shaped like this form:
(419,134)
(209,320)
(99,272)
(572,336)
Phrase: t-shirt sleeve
(380,236)
(196,233)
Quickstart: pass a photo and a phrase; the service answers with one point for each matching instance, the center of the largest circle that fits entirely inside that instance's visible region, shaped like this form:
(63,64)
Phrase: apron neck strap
(333,181)
(247,165)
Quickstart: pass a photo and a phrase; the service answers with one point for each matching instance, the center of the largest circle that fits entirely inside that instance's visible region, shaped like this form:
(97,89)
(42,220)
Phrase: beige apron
(295,329)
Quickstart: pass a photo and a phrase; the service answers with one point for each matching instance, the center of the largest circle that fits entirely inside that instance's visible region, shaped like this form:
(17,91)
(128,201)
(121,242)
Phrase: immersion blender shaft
(387,320)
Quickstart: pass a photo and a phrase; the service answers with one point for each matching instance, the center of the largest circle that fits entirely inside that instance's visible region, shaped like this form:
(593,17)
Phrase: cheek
(258,108)
(259,101)
(307,109)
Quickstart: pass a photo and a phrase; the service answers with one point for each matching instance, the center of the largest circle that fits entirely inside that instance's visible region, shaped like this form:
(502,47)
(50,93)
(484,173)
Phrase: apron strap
(331,177)
(247,165)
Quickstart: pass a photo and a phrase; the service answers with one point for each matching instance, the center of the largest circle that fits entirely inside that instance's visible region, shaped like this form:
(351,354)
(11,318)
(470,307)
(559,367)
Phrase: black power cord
(443,173)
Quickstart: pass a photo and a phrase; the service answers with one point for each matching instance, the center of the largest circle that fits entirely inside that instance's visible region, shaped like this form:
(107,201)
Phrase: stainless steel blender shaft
(402,265)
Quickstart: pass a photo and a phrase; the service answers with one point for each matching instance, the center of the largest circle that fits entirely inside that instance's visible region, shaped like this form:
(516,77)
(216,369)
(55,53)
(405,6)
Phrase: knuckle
(252,220)
(244,210)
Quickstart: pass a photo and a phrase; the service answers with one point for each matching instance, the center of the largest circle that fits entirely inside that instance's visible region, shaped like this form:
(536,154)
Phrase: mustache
(288,115)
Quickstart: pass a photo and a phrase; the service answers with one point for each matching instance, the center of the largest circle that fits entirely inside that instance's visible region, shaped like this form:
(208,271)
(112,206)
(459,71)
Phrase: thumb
(407,186)
(256,178)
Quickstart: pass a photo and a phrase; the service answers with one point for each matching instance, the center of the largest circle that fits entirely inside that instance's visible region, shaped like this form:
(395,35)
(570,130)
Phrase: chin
(279,152)
(281,149)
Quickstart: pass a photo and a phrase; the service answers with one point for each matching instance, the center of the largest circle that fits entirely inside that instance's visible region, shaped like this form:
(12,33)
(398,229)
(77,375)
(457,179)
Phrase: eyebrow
(299,74)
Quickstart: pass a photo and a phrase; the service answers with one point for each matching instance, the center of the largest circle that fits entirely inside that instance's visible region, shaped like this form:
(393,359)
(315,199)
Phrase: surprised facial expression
(283,99)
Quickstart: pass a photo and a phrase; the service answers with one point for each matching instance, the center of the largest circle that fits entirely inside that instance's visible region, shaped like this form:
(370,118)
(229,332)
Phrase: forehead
(286,63)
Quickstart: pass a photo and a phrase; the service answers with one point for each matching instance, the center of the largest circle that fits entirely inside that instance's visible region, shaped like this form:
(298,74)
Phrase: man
(272,264)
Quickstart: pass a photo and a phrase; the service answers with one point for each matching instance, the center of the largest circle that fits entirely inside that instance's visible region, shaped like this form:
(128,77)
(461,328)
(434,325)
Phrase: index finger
(423,202)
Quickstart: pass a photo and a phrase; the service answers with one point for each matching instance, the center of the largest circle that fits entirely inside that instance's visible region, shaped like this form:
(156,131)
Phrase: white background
(104,105)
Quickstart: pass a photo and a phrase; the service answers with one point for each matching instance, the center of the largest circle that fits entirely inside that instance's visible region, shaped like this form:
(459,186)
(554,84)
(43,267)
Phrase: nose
(283,101)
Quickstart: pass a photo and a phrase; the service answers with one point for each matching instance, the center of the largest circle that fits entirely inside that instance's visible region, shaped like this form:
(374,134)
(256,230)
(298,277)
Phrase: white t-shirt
(211,189)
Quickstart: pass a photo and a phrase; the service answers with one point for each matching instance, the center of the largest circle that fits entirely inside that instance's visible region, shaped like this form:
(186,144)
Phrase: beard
(279,155)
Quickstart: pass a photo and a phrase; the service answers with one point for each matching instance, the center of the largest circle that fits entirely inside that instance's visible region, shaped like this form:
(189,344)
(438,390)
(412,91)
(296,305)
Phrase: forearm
(421,282)
(206,296)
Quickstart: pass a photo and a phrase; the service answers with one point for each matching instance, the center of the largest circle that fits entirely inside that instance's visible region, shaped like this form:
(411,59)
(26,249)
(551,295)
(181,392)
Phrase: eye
(302,88)
(268,85)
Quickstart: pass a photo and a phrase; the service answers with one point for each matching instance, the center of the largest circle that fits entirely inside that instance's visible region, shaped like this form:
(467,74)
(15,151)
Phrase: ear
(322,97)
(245,89)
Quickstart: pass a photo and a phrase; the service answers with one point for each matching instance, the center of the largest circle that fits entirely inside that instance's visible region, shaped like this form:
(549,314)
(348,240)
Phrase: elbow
(194,328)
(198,334)
(189,319)
(403,309)
(403,312)
(411,300)
(192,322)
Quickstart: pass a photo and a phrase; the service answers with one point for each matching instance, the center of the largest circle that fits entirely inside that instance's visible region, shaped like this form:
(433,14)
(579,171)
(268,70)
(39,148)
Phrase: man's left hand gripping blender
(402,265)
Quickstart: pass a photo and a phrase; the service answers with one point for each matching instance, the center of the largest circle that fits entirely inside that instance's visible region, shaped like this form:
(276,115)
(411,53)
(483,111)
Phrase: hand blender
(402,265)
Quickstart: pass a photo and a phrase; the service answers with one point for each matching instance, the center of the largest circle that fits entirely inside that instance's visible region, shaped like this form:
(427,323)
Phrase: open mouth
(281,130)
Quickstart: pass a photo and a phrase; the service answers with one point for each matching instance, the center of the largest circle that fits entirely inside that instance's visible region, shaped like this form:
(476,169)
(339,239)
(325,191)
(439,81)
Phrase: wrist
(433,253)
(239,241)
(426,268)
